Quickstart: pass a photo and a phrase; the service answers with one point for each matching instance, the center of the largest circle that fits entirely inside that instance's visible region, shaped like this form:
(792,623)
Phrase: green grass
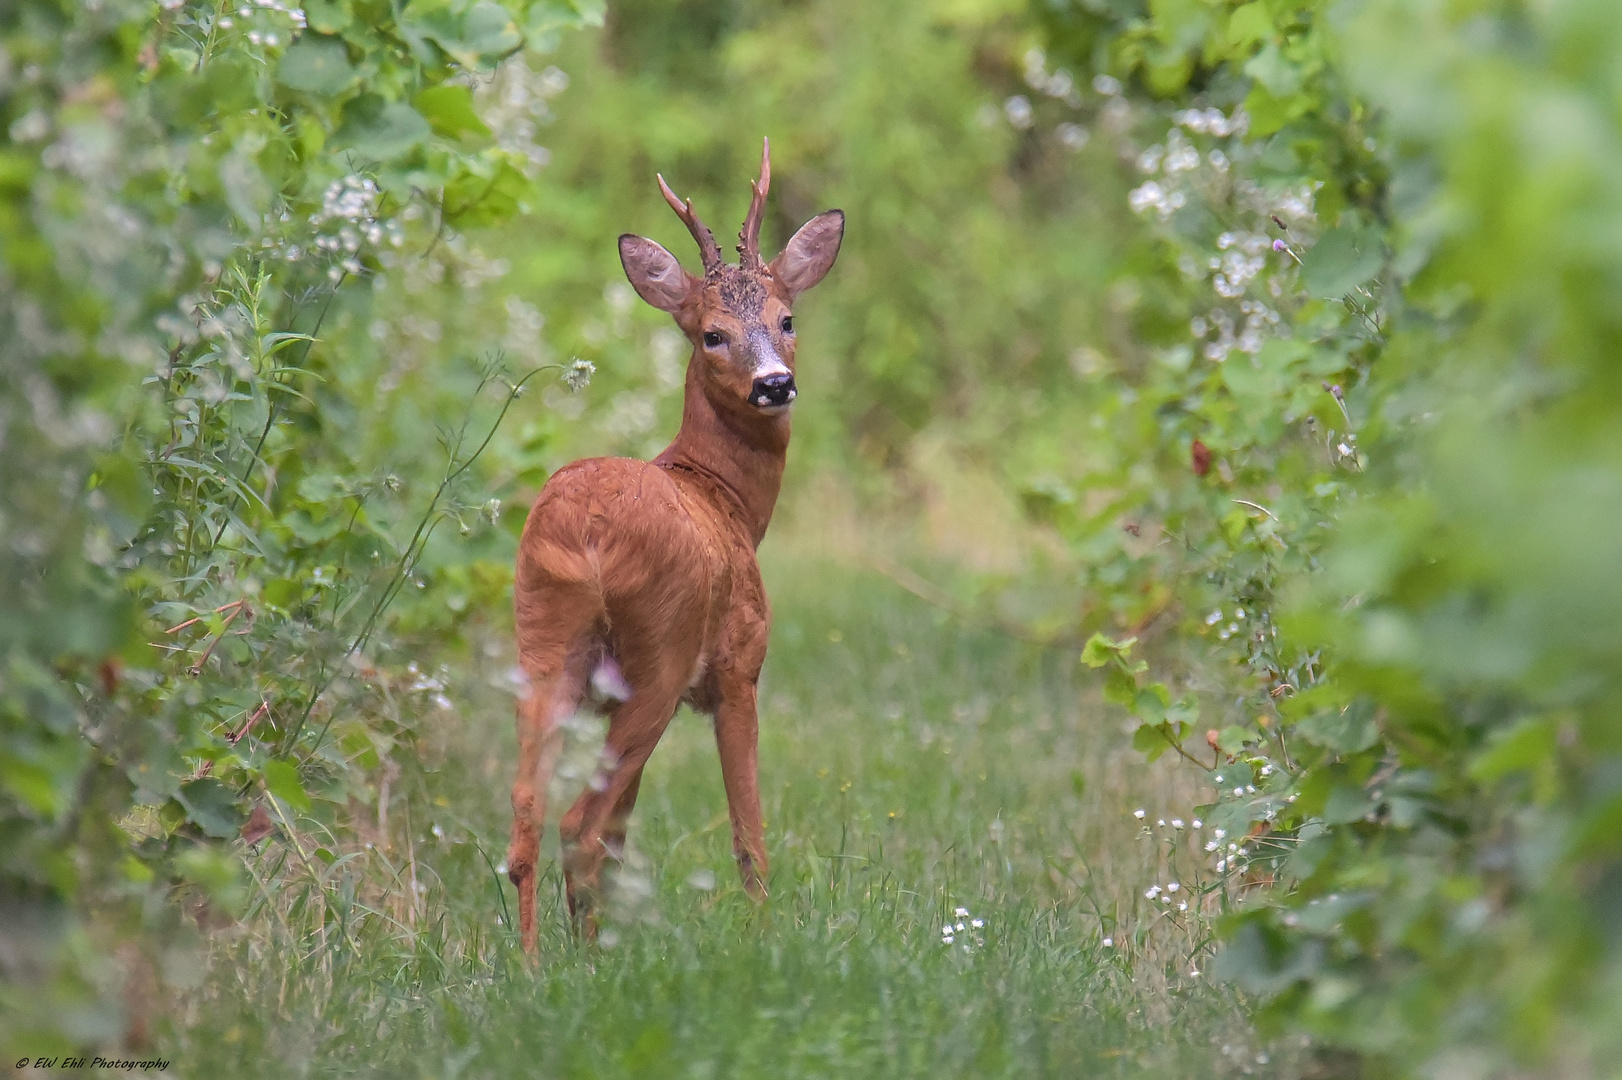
(910,766)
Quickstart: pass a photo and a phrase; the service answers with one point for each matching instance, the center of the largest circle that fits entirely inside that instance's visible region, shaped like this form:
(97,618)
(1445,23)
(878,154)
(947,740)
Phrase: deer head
(740,318)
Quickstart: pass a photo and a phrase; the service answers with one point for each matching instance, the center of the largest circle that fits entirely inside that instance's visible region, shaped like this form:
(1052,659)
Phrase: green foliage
(1394,490)
(1328,432)
(196,550)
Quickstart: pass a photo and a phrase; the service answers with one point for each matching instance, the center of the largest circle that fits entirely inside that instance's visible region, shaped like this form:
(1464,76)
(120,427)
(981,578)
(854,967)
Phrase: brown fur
(650,566)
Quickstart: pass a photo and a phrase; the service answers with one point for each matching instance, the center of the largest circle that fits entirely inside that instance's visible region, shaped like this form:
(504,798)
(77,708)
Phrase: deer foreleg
(737,733)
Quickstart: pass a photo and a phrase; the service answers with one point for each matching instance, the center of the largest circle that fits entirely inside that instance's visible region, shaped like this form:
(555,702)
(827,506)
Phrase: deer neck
(739,458)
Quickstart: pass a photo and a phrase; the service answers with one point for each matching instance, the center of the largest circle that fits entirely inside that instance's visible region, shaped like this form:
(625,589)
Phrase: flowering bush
(1359,492)
(197,547)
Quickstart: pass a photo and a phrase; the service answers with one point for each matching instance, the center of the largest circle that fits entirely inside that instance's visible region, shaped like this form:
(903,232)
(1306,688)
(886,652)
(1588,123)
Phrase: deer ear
(654,272)
(810,252)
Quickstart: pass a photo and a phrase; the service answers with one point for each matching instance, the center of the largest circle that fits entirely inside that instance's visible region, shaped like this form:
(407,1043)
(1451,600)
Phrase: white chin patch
(774,410)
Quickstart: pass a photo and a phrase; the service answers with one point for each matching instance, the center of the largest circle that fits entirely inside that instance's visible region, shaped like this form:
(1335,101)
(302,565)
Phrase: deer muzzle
(773,391)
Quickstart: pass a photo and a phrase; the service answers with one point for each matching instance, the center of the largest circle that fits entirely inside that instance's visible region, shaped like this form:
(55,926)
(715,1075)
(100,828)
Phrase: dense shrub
(198,544)
(1372,432)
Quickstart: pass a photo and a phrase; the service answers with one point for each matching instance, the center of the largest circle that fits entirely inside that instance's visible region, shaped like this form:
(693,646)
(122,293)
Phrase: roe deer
(638,579)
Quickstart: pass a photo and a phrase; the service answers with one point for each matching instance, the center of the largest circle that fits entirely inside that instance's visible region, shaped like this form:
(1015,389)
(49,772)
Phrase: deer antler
(749,237)
(708,250)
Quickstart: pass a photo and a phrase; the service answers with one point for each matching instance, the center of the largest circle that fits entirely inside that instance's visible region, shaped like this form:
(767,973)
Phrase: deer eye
(788,324)
(712,340)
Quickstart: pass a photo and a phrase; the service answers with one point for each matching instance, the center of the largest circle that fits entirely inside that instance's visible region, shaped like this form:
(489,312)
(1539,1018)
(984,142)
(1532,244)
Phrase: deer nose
(773,390)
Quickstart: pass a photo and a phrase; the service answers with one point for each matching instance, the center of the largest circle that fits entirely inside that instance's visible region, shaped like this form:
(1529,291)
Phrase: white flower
(578,374)
(1108,943)
(1154,891)
(1198,823)
(1018,111)
(1138,814)
(977,923)
(946,931)
(1183,906)
(1177,823)
(1172,886)
(1219,833)
(1161,822)
(1071,136)
(960,912)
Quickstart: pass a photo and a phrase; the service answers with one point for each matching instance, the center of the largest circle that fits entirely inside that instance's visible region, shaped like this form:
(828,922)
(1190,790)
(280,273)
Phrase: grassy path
(911,767)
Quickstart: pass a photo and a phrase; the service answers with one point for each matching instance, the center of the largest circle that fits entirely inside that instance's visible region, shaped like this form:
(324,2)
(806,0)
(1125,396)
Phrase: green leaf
(592,12)
(1150,741)
(449,111)
(127,494)
(1153,740)
(1100,650)
(1234,818)
(282,781)
(1249,24)
(1262,961)
(1346,803)
(1270,68)
(1348,730)
(1150,703)
(281,593)
(322,487)
(1342,260)
(214,870)
(490,29)
(381,130)
(482,34)
(1234,739)
(1120,687)
(317,65)
(327,16)
(1322,915)
(212,807)
(32,785)
(479,198)
(1521,748)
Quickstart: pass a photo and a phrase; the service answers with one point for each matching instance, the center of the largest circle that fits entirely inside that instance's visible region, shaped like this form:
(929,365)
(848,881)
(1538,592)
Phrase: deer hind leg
(555,661)
(595,825)
(619,819)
